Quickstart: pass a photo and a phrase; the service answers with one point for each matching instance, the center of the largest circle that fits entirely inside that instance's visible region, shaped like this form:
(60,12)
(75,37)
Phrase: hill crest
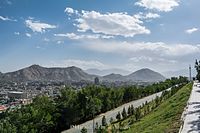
(73,73)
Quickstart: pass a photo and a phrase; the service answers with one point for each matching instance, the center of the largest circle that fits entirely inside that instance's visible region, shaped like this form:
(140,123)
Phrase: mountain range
(39,73)
(107,71)
(142,75)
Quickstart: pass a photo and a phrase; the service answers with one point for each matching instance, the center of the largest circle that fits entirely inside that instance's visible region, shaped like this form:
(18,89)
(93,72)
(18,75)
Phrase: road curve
(111,113)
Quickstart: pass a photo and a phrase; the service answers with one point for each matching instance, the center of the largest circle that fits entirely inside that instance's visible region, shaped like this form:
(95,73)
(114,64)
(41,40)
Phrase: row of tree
(73,107)
(135,114)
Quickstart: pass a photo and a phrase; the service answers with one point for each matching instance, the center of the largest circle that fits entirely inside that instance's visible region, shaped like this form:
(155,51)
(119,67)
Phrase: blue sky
(159,34)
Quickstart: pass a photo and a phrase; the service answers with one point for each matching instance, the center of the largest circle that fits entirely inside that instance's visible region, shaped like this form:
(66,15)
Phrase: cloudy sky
(162,35)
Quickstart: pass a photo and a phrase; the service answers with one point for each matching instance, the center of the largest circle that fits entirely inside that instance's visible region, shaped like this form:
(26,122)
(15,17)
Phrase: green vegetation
(124,114)
(72,107)
(104,121)
(83,130)
(166,117)
(118,116)
(136,114)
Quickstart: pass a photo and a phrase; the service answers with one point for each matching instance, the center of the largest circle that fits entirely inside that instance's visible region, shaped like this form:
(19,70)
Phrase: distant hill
(107,71)
(113,77)
(39,73)
(142,75)
(145,75)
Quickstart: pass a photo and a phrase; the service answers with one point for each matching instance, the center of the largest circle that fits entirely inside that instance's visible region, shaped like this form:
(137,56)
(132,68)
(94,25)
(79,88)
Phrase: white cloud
(37,26)
(159,49)
(156,63)
(60,42)
(152,15)
(190,31)
(110,24)
(74,36)
(70,11)
(141,58)
(7,19)
(16,33)
(159,5)
(148,59)
(28,35)
(84,64)
(147,16)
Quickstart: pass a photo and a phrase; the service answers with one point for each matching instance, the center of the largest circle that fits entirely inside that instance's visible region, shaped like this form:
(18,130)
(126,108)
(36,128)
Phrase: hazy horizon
(104,72)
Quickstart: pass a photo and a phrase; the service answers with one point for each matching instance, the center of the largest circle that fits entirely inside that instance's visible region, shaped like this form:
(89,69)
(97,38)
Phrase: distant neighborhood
(20,87)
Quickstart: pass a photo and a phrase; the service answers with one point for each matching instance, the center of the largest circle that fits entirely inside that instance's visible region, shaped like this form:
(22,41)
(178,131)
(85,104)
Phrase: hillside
(145,75)
(166,117)
(113,77)
(107,71)
(142,75)
(38,73)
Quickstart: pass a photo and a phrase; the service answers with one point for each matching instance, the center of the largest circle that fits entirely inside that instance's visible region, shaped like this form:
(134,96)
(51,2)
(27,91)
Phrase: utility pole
(190,77)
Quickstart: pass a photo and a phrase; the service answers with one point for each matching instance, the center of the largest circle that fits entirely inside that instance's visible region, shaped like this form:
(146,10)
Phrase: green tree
(148,109)
(104,123)
(83,130)
(96,127)
(111,120)
(129,110)
(6,127)
(118,116)
(124,114)
(138,113)
(132,110)
(71,107)
(157,101)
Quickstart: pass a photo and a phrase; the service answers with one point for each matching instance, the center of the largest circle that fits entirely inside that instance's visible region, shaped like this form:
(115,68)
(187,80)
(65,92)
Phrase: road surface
(111,113)
(191,115)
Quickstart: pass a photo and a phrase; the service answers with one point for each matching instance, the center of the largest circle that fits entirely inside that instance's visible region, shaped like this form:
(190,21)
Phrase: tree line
(72,107)
(127,117)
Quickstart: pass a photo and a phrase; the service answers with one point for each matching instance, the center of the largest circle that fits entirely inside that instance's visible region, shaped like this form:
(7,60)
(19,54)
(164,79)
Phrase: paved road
(191,115)
(112,113)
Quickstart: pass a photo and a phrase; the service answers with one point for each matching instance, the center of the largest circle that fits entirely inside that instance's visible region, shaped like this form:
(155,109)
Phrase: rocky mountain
(107,71)
(145,75)
(38,73)
(113,77)
(142,75)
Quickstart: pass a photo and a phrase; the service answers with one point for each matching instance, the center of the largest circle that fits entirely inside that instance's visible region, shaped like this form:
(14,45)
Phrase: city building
(17,95)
